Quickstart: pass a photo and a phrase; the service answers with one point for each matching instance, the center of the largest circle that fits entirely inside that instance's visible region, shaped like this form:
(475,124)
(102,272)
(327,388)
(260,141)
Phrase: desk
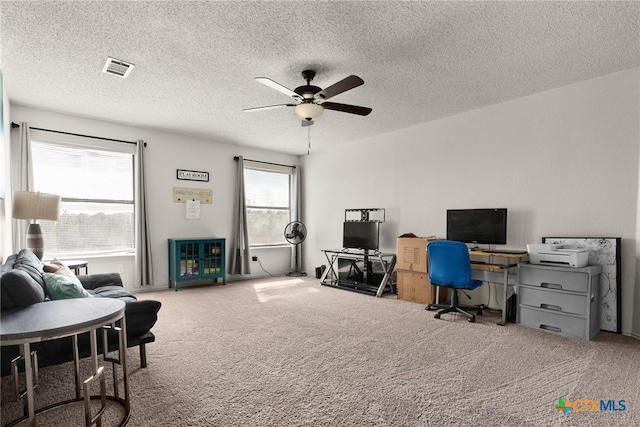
(367,271)
(497,267)
(57,319)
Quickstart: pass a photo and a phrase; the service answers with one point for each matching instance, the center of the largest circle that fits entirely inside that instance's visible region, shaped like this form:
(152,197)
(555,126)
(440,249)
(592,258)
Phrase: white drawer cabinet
(563,300)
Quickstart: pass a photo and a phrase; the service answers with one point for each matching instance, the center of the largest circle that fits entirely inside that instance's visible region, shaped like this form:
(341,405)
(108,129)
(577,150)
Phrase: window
(268,197)
(96,185)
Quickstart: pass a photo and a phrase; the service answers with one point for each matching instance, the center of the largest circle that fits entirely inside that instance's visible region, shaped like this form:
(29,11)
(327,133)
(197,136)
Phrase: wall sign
(192,175)
(181,195)
(193,209)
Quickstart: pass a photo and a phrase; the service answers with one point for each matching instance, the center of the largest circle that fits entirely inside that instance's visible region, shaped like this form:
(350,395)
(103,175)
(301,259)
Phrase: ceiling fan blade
(267,107)
(277,86)
(346,108)
(339,87)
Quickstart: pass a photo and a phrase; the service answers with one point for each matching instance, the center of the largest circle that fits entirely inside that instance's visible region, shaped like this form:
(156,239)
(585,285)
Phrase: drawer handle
(550,285)
(550,328)
(551,307)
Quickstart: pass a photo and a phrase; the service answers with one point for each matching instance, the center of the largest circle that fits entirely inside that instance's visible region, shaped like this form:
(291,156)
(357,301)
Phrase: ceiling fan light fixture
(308,111)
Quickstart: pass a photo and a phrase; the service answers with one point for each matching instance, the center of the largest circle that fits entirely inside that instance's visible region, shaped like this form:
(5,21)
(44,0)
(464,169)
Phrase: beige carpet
(290,352)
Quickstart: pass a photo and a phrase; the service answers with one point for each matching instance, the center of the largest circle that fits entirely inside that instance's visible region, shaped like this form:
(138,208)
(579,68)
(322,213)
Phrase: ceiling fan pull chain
(308,140)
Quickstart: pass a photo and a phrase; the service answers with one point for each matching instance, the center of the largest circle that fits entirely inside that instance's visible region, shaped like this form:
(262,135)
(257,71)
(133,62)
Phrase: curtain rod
(16,125)
(236,158)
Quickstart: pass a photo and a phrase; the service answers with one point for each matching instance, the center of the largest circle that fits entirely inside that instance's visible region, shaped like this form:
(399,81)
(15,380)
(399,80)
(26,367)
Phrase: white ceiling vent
(117,67)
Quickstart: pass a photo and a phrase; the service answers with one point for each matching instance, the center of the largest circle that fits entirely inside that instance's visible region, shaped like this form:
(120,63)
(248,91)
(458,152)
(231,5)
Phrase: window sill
(92,256)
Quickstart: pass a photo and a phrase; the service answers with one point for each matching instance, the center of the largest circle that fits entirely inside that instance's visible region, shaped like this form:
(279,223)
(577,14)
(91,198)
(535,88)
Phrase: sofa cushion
(28,262)
(95,281)
(18,289)
(64,287)
(57,267)
(8,264)
(141,315)
(113,292)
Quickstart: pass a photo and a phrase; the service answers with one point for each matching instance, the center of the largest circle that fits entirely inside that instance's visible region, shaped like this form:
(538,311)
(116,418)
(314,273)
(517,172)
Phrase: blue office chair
(450,266)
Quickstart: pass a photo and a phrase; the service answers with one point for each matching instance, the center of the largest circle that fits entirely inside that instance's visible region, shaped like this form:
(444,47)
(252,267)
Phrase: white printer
(540,253)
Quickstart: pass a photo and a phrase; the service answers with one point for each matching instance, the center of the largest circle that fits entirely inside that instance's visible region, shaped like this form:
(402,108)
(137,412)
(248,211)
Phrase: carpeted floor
(290,352)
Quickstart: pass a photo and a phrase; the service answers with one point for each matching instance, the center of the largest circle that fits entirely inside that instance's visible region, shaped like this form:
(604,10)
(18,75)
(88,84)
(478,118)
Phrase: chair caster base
(431,307)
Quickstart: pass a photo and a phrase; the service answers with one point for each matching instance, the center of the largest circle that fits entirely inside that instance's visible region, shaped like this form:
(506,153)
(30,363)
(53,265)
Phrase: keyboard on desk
(503,251)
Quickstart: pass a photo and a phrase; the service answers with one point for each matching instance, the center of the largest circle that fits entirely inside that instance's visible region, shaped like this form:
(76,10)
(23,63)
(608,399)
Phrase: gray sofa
(22,283)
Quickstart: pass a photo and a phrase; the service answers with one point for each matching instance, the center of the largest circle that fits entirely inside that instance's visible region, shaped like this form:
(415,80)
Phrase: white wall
(5,202)
(635,329)
(564,162)
(167,152)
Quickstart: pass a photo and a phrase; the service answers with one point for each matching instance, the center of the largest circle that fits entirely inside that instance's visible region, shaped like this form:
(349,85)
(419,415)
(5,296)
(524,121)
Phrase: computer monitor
(361,235)
(478,226)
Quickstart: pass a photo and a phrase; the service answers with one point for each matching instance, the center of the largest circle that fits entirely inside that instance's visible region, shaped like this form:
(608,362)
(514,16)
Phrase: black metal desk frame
(498,267)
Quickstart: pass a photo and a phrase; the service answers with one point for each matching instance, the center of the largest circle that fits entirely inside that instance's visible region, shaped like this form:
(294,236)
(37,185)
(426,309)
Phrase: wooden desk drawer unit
(563,300)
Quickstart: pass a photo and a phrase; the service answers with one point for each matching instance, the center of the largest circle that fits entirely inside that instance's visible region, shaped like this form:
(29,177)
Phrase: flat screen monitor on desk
(361,235)
(477,226)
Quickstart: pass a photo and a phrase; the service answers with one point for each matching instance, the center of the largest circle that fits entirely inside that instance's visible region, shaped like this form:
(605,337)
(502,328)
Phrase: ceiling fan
(310,101)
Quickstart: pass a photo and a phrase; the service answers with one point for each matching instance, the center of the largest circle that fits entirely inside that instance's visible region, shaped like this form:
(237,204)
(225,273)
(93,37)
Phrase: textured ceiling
(195,61)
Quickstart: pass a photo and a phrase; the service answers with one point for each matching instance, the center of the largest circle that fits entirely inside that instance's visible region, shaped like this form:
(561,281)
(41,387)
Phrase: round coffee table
(62,318)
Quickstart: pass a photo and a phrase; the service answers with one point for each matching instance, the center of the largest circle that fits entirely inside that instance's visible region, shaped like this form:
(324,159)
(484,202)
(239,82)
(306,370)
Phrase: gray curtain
(21,180)
(296,214)
(240,256)
(144,264)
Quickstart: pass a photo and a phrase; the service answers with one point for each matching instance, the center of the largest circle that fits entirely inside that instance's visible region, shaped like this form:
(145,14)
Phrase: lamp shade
(308,111)
(36,205)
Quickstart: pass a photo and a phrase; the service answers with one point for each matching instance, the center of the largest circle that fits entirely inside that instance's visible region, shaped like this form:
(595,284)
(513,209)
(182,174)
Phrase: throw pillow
(64,287)
(51,268)
(58,267)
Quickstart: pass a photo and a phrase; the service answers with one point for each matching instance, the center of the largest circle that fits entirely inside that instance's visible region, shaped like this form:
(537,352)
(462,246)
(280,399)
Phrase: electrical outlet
(120,268)
(254,258)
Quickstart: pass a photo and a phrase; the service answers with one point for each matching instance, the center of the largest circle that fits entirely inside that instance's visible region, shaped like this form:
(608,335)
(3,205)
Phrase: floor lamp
(33,206)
